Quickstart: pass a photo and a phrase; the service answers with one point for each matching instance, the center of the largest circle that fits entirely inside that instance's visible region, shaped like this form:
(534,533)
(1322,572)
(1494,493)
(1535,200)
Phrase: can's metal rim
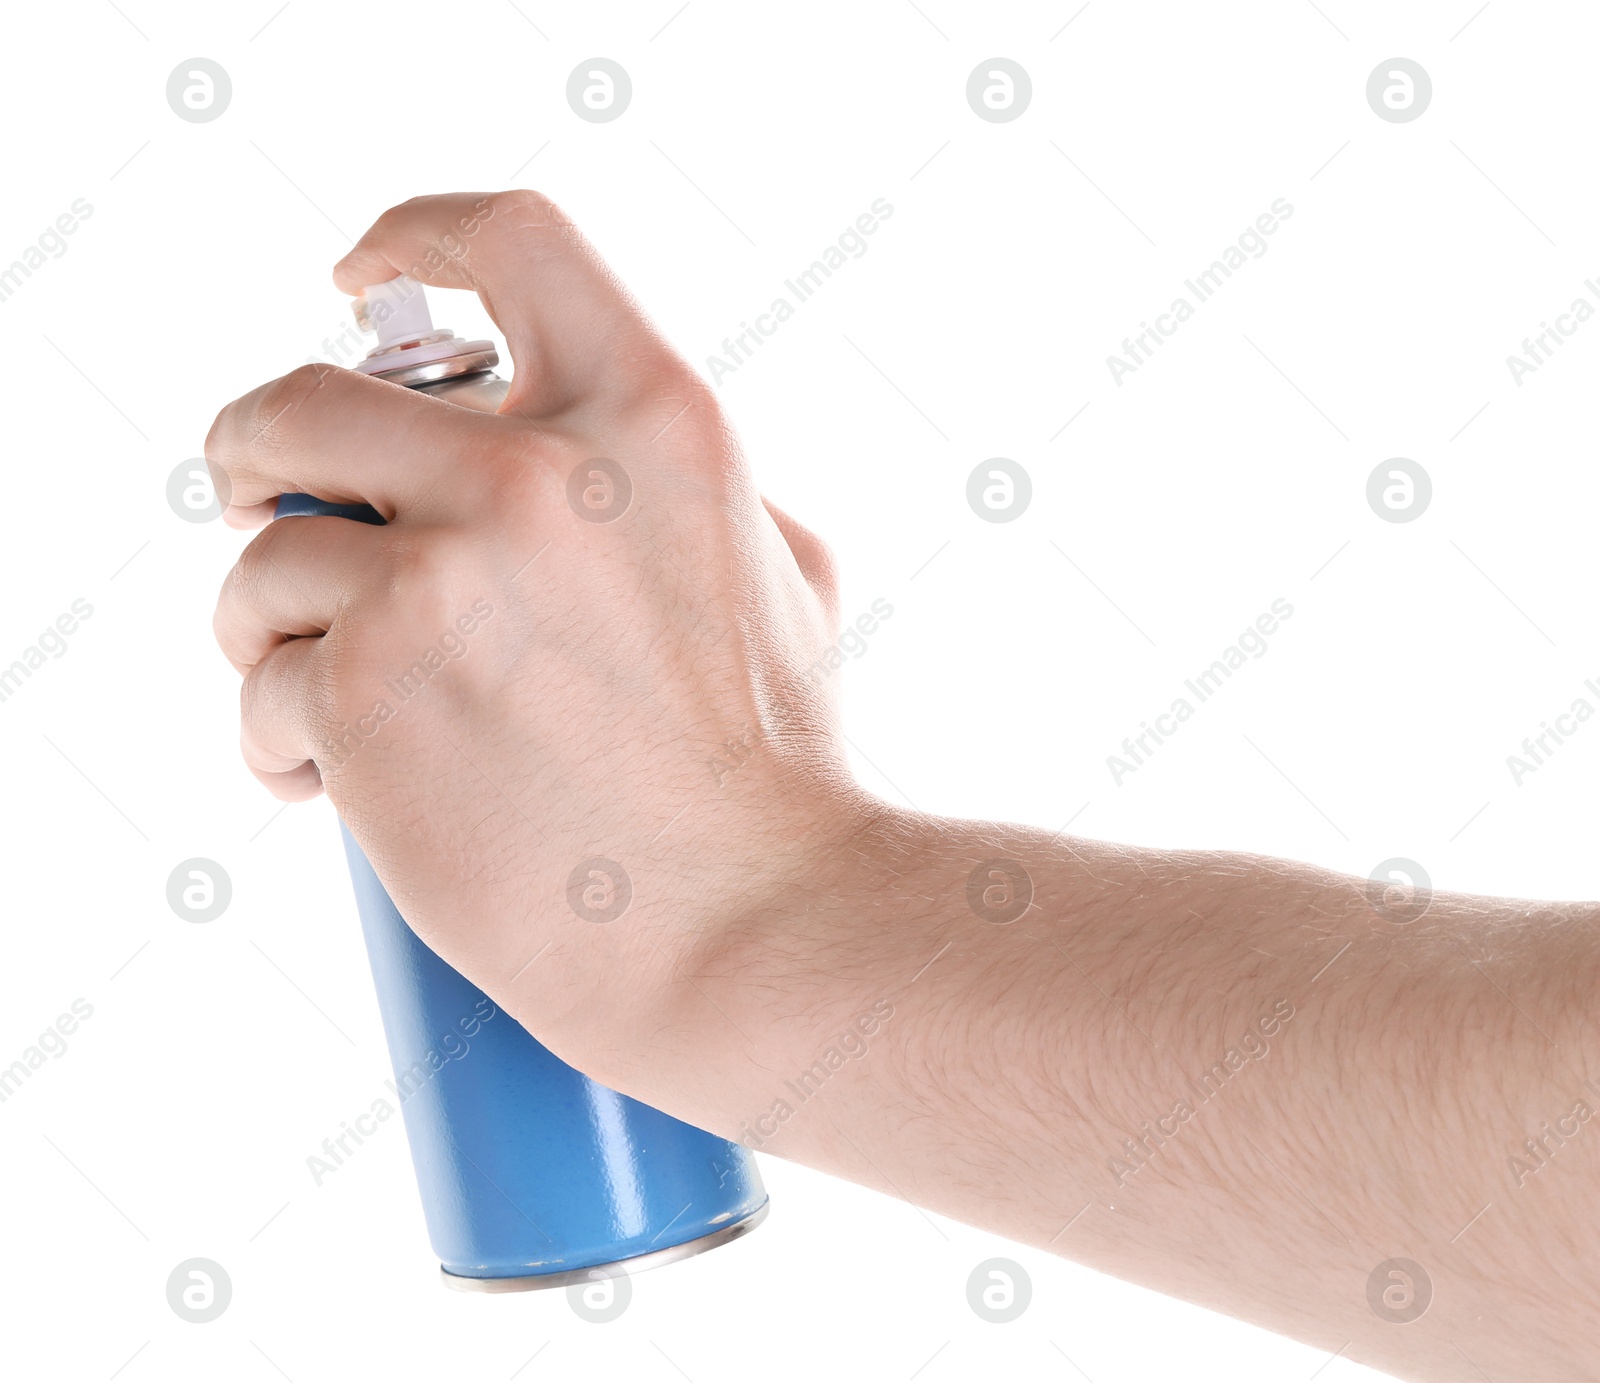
(637,1264)
(433,371)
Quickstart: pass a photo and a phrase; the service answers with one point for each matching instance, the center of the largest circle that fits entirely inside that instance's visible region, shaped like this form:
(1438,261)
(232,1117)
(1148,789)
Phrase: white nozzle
(407,338)
(397,311)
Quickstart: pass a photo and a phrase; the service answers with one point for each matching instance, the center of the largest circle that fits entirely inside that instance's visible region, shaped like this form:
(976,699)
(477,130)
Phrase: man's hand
(577,653)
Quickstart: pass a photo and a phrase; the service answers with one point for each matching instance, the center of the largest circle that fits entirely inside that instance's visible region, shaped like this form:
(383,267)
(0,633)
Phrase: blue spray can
(531,1174)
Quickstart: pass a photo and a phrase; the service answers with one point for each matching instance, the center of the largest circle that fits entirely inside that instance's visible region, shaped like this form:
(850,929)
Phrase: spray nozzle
(407,338)
(397,311)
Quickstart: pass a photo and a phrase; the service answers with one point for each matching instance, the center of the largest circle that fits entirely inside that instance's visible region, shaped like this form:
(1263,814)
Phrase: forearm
(1224,1077)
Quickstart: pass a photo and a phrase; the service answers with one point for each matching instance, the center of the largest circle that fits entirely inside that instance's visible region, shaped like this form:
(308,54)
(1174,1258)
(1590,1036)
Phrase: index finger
(349,438)
(574,332)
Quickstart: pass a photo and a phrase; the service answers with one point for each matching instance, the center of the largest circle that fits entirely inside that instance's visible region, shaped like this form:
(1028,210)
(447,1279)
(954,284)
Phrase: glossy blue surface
(525,1165)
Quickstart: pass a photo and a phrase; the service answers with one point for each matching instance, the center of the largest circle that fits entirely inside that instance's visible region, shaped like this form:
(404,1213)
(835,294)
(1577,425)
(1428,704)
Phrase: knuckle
(427,573)
(532,204)
(665,372)
(223,447)
(291,693)
(401,213)
(668,405)
(287,394)
(260,701)
(246,424)
(216,436)
(261,556)
(250,698)
(511,472)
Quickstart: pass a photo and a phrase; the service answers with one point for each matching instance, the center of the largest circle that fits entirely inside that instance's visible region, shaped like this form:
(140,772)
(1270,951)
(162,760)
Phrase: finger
(292,581)
(277,710)
(297,785)
(249,516)
(345,437)
(574,331)
(814,558)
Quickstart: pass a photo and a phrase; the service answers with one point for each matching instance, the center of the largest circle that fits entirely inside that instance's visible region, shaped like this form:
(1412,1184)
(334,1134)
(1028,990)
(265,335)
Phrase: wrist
(818,982)
(796,953)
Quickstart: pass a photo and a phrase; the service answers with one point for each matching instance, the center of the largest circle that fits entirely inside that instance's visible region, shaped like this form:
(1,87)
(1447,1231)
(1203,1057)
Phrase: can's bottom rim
(639,1263)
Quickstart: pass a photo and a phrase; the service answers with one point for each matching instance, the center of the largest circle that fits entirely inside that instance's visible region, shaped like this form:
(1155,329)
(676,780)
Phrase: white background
(1169,514)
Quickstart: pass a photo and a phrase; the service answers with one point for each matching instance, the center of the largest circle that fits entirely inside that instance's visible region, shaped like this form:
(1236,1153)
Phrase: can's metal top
(410,349)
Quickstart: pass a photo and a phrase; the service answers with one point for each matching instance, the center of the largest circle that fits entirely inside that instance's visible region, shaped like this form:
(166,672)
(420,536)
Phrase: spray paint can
(531,1174)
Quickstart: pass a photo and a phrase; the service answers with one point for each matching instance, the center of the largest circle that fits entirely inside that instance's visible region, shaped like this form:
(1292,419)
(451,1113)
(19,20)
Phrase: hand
(494,688)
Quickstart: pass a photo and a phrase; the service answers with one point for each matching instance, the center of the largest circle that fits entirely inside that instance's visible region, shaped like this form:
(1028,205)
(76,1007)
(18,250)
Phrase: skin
(1014,1046)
